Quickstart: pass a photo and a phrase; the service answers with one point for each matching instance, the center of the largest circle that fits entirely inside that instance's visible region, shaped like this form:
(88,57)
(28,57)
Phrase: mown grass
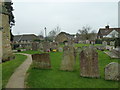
(55,78)
(30,52)
(9,67)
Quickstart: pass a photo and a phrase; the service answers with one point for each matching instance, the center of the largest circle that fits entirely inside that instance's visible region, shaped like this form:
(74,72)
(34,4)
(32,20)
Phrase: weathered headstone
(79,49)
(102,48)
(54,45)
(46,46)
(104,43)
(89,63)
(41,61)
(112,43)
(68,60)
(112,71)
(34,46)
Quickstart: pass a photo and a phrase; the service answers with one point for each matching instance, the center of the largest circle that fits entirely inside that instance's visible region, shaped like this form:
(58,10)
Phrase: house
(25,38)
(24,41)
(63,37)
(5,24)
(108,32)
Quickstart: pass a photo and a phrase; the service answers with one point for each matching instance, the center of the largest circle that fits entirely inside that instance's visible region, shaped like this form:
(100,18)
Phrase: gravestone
(60,49)
(41,61)
(112,71)
(104,43)
(46,46)
(89,63)
(34,46)
(112,43)
(68,60)
(102,48)
(54,45)
(79,49)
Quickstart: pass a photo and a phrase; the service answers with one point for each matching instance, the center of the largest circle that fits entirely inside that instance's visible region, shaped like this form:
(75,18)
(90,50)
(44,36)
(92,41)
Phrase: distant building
(108,32)
(25,40)
(63,37)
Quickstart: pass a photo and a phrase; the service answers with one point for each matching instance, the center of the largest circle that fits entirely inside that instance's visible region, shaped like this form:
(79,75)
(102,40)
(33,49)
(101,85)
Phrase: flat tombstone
(89,63)
(68,60)
(112,71)
(41,61)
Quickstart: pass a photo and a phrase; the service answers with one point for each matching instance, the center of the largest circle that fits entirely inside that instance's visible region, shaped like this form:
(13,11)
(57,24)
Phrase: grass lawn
(30,52)
(9,67)
(55,78)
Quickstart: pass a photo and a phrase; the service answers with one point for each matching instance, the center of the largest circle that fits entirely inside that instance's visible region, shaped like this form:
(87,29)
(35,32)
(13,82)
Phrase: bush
(117,42)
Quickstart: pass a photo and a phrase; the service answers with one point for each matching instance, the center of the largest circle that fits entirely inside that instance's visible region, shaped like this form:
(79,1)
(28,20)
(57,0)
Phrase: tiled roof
(25,37)
(106,31)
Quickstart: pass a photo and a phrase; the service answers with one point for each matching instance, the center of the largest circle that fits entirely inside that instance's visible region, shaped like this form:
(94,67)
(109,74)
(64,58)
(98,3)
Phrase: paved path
(18,77)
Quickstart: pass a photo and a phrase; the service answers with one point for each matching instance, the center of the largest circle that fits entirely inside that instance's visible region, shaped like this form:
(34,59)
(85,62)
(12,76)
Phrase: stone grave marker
(79,49)
(112,43)
(104,43)
(89,63)
(68,60)
(34,46)
(41,61)
(54,45)
(112,71)
(46,46)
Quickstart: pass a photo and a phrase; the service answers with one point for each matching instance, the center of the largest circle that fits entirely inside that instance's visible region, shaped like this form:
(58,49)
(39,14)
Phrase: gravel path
(18,77)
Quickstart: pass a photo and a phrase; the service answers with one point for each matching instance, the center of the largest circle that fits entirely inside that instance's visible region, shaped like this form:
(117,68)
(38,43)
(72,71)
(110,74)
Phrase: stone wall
(0,46)
(6,47)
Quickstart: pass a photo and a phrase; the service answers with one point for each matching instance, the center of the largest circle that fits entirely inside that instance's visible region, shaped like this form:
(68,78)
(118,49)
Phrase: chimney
(107,27)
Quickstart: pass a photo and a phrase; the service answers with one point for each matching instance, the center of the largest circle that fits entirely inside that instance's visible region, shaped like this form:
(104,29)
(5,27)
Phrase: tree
(52,34)
(8,5)
(84,32)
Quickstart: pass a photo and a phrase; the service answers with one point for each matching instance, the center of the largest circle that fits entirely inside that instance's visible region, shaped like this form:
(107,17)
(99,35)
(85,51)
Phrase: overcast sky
(32,17)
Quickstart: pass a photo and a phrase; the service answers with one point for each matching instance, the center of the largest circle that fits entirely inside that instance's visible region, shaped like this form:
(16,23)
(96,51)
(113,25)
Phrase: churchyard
(58,60)
(66,76)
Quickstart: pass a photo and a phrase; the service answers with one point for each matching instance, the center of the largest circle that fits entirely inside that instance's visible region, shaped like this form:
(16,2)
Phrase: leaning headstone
(89,63)
(41,61)
(68,60)
(112,71)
